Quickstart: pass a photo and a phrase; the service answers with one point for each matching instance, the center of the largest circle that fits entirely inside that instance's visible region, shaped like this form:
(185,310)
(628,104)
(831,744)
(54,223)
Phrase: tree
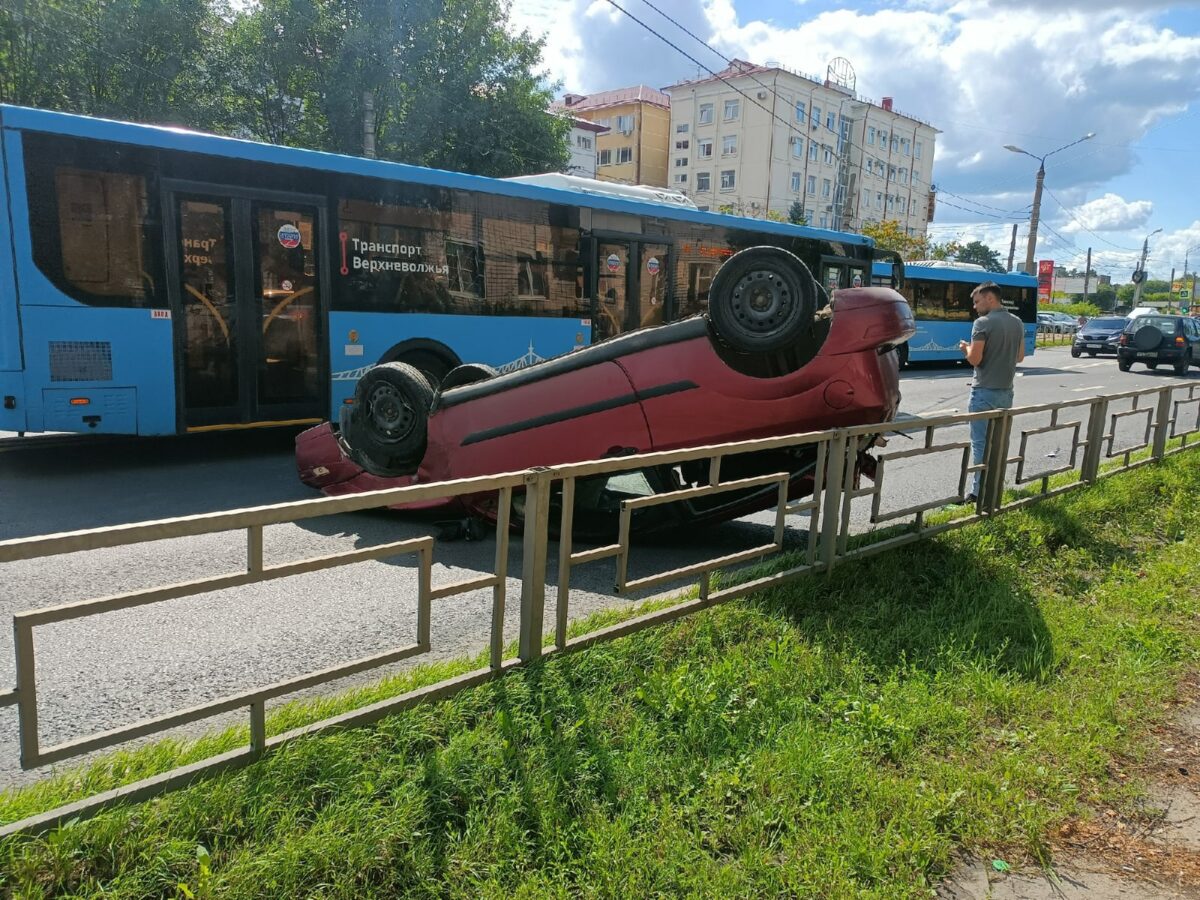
(795,213)
(1105,297)
(980,254)
(889,235)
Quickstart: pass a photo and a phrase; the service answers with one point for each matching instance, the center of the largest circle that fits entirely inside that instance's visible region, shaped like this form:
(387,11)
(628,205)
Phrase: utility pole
(1171,289)
(1012,247)
(369,124)
(1033,219)
(1137,291)
(1087,275)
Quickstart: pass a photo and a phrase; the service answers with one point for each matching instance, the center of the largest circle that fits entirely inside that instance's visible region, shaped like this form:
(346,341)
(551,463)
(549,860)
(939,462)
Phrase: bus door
(247,296)
(631,286)
(844,273)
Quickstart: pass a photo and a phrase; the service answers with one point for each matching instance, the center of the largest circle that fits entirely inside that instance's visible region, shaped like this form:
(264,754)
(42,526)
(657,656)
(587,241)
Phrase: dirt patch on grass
(1151,851)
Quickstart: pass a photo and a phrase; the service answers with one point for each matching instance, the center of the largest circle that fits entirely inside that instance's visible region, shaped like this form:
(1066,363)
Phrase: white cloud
(1109,213)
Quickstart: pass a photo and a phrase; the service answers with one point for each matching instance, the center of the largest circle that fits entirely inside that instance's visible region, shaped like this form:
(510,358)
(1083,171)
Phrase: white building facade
(581,142)
(761,138)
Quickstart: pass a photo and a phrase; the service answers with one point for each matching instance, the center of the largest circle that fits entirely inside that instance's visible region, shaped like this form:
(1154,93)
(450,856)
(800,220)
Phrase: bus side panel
(12,411)
(125,355)
(119,360)
(505,342)
(938,340)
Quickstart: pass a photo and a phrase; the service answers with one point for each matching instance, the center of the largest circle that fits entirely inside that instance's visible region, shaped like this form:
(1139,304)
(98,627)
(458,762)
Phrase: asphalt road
(117,668)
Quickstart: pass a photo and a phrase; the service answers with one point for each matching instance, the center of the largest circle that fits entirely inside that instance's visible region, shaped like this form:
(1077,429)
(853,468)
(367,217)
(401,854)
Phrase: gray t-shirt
(1003,335)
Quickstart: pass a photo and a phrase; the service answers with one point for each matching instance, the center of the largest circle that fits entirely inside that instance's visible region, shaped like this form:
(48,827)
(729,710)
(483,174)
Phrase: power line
(1084,227)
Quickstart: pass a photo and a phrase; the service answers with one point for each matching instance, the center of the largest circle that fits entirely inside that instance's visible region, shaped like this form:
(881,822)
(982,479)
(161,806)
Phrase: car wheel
(1124,364)
(762,300)
(1151,366)
(1091,355)
(1075,354)
(467,373)
(1181,367)
(387,426)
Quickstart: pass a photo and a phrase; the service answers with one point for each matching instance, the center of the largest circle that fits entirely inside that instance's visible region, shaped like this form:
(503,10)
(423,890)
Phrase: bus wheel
(387,425)
(762,300)
(467,373)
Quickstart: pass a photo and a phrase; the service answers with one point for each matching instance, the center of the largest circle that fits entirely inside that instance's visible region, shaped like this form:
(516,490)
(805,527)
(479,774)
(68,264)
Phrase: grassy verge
(840,737)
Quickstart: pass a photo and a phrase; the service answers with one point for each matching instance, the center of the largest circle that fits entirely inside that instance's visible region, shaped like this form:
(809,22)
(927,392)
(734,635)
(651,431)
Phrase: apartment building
(581,144)
(761,138)
(638,119)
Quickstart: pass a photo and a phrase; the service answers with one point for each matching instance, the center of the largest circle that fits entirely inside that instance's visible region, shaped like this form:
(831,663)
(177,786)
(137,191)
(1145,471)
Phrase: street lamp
(1137,291)
(1037,193)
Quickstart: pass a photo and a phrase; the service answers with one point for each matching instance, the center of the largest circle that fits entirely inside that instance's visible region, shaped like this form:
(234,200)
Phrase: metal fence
(845,518)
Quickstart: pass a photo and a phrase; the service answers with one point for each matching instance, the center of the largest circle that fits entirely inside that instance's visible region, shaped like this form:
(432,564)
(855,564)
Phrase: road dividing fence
(845,516)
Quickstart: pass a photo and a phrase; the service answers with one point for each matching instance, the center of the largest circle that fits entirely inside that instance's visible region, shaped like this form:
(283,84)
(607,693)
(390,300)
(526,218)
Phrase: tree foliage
(449,85)
(980,254)
(890,235)
(795,213)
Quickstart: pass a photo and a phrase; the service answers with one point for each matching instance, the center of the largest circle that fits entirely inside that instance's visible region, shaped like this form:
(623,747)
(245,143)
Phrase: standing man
(997,345)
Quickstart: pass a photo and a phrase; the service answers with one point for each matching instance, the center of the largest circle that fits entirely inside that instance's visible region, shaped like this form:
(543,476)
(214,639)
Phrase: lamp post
(1037,193)
(1137,291)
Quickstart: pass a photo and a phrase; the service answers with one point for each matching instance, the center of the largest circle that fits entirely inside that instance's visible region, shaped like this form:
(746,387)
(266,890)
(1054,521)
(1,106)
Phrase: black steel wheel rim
(763,301)
(391,416)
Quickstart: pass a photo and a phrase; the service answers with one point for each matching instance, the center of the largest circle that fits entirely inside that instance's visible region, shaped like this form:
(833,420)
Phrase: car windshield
(1107,322)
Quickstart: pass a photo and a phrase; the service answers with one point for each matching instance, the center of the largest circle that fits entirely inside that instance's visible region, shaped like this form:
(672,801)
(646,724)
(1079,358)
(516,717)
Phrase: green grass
(840,737)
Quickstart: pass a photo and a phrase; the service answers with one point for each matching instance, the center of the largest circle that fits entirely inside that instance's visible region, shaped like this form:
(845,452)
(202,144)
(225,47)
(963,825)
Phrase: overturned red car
(774,355)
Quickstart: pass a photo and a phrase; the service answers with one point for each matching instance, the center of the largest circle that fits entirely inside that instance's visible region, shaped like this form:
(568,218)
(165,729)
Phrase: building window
(604,123)
(824,220)
(729,145)
(879,199)
(582,142)
(866,200)
(625,124)
(917,151)
(812,150)
(870,135)
(796,180)
(816,115)
(812,184)
(728,179)
(891,203)
(828,155)
(704,181)
(466,275)
(891,173)
(706,113)
(904,146)
(798,147)
(680,161)
(880,169)
(895,143)
(883,139)
(681,179)
(531,275)
(825,186)
(732,108)
(800,111)
(904,176)
(704,148)
(682,128)
(682,145)
(604,158)
(829,121)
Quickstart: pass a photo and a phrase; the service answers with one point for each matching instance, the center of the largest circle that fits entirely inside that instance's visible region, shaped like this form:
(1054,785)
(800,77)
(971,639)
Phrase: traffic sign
(1185,294)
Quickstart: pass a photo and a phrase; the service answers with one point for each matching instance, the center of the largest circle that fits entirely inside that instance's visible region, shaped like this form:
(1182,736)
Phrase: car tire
(1075,354)
(1181,367)
(467,373)
(1124,364)
(762,300)
(1151,366)
(1091,355)
(388,424)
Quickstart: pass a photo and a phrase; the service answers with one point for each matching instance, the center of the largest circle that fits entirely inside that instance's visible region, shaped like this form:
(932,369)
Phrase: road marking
(1094,387)
(1093,365)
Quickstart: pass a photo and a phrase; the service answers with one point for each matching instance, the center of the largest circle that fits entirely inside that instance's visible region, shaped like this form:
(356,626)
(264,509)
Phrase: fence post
(1162,423)
(1090,469)
(26,690)
(995,457)
(533,561)
(831,512)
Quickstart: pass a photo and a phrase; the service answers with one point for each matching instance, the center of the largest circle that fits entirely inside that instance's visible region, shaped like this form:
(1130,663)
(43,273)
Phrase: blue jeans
(983,399)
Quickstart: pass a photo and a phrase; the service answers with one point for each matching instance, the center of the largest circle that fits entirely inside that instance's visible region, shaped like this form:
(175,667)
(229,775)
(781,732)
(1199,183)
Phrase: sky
(1037,74)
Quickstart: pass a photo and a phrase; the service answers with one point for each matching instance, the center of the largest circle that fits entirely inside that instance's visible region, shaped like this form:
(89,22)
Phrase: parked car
(1155,339)
(1099,335)
(1055,323)
(765,360)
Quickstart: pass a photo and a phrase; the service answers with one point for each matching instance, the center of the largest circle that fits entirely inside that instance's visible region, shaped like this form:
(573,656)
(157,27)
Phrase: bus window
(652,283)
(92,231)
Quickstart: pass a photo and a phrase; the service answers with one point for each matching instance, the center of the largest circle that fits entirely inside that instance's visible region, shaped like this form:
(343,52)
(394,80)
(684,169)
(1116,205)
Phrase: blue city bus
(940,296)
(159,281)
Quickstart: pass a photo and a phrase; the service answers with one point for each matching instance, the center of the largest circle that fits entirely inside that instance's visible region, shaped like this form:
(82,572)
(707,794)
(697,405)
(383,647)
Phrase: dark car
(764,361)
(1099,335)
(1155,339)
